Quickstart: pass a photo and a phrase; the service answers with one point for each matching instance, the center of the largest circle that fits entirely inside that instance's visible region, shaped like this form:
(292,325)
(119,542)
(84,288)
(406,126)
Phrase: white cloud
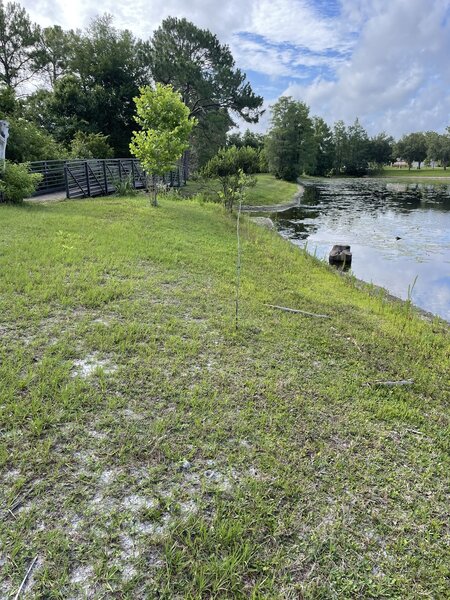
(298,22)
(385,61)
(398,78)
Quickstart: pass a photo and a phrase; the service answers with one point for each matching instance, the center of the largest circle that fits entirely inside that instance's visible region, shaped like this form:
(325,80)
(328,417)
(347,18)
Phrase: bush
(17,183)
(90,145)
(233,168)
(28,142)
(125,187)
(229,161)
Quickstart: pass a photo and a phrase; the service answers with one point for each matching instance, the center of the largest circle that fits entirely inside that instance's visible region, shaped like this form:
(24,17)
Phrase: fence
(96,177)
(53,176)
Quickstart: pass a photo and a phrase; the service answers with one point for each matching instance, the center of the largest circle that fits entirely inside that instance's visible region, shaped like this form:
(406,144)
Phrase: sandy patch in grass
(87,366)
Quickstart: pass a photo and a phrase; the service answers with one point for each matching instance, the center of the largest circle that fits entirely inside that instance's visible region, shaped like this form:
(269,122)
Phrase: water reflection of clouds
(370,215)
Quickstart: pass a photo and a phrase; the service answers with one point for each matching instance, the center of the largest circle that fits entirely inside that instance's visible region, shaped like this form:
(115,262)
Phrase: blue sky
(384,61)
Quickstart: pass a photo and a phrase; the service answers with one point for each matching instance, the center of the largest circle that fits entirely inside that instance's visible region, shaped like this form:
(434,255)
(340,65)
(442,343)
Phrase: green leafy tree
(289,144)
(438,147)
(165,130)
(357,159)
(63,111)
(203,71)
(233,168)
(105,69)
(208,137)
(340,143)
(55,50)
(380,150)
(28,142)
(323,148)
(18,39)
(248,138)
(90,145)
(194,62)
(8,102)
(17,183)
(412,147)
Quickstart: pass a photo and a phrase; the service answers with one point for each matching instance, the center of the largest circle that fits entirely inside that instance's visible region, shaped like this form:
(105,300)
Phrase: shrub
(233,168)
(90,145)
(17,183)
(125,187)
(28,142)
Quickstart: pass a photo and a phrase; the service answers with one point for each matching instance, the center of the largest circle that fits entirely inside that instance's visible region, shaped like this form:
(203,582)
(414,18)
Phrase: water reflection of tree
(355,205)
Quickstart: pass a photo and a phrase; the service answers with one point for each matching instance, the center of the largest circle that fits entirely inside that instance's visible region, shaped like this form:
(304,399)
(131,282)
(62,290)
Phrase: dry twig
(392,383)
(24,580)
(301,312)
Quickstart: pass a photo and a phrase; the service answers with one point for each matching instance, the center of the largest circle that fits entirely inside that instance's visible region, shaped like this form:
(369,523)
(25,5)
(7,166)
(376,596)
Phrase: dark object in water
(340,256)
(398,237)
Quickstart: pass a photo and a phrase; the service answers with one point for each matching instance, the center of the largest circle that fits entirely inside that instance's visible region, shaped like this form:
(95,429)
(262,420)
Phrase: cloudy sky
(384,61)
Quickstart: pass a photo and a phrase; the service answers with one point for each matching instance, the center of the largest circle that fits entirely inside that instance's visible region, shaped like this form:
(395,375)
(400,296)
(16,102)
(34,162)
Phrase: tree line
(298,143)
(86,82)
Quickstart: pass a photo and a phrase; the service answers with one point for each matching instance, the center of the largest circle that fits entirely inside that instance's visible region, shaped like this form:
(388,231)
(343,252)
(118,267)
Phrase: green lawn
(437,173)
(268,190)
(150,450)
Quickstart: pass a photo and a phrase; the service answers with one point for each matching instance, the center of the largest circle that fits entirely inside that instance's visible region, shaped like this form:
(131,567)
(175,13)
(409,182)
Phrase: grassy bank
(438,174)
(148,450)
(268,190)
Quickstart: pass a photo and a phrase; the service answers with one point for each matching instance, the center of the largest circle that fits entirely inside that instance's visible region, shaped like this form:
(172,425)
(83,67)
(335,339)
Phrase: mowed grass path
(148,450)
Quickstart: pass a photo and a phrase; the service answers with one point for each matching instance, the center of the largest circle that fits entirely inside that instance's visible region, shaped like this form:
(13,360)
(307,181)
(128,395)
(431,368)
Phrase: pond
(399,234)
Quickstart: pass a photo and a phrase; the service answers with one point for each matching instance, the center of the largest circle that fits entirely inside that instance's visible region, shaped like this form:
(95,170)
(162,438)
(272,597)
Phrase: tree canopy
(18,39)
(203,70)
(290,141)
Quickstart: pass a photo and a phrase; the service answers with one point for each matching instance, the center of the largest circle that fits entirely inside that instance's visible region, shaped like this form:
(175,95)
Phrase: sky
(383,61)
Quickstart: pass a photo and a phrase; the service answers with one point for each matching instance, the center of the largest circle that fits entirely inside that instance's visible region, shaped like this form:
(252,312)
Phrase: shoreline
(362,284)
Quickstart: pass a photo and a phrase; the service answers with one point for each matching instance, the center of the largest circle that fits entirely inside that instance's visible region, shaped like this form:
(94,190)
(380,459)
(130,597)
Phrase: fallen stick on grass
(27,574)
(391,383)
(295,310)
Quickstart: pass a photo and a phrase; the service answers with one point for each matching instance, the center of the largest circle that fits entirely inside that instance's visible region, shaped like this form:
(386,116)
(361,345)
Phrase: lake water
(369,215)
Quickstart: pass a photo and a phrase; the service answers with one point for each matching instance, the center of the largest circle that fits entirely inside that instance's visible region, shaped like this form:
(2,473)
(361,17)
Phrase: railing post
(133,174)
(120,170)
(88,185)
(105,179)
(66,181)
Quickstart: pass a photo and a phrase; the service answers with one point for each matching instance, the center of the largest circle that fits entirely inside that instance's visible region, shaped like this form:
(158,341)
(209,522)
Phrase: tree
(340,143)
(54,52)
(248,138)
(203,71)
(90,145)
(208,137)
(18,39)
(380,151)
(323,148)
(28,142)
(290,141)
(165,130)
(233,168)
(412,147)
(356,162)
(94,93)
(194,62)
(438,147)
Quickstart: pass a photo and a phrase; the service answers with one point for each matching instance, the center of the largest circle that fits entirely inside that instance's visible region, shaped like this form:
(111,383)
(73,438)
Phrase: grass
(436,173)
(149,450)
(268,190)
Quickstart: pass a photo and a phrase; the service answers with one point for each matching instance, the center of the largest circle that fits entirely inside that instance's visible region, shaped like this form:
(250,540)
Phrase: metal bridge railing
(96,177)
